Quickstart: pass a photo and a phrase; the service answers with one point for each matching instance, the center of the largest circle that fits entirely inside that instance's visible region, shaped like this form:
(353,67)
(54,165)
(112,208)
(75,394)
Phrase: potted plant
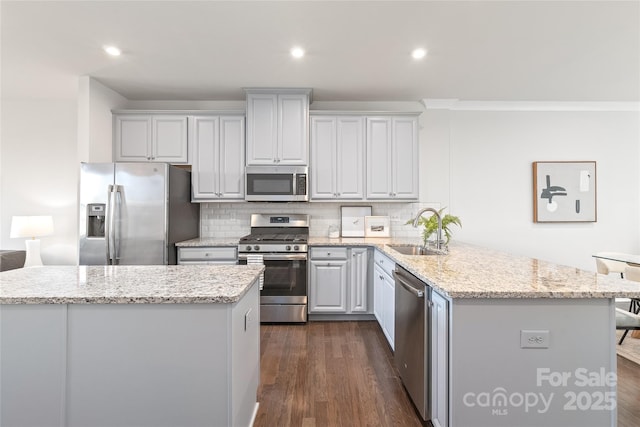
(430,225)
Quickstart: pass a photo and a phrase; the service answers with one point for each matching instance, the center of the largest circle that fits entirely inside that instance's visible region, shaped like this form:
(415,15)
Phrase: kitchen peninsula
(521,341)
(129,345)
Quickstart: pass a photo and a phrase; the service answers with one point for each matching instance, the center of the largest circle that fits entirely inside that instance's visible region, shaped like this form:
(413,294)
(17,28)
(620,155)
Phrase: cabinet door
(378,158)
(349,158)
(378,284)
(440,361)
(204,167)
(169,143)
(231,157)
(132,138)
(323,157)
(293,129)
(389,308)
(328,287)
(405,160)
(358,280)
(262,131)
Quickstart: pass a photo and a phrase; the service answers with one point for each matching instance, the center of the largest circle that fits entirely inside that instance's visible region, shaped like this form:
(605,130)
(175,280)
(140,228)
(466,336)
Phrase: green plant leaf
(430,225)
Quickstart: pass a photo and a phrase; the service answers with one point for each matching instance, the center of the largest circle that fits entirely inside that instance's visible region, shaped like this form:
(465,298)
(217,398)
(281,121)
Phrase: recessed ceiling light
(297,52)
(112,50)
(419,53)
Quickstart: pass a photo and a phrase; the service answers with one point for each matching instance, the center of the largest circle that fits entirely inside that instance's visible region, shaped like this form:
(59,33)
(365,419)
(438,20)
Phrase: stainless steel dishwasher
(413,306)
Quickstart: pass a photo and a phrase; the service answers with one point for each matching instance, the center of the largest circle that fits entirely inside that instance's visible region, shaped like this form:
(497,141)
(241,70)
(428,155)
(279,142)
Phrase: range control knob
(248,248)
(288,248)
(296,247)
(256,247)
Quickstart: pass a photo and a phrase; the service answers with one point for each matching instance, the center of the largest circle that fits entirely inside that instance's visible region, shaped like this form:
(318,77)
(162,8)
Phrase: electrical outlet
(534,339)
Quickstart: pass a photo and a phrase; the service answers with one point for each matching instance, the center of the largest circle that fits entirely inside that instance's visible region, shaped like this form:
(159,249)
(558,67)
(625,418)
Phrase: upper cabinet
(150,138)
(337,157)
(392,157)
(277,126)
(217,163)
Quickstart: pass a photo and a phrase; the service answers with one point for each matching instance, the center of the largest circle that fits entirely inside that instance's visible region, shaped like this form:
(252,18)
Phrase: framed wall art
(564,191)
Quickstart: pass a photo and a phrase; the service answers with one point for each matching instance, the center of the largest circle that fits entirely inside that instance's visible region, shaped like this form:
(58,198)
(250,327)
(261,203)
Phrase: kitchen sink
(417,250)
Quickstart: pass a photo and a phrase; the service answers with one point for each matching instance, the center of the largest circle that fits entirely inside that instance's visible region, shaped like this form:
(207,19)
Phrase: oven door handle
(278,257)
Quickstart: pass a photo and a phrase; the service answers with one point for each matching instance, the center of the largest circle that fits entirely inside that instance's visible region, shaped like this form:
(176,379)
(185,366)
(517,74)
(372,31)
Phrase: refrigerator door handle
(117,222)
(109,225)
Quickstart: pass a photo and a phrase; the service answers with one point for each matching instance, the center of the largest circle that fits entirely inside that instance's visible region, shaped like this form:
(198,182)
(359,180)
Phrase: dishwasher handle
(403,282)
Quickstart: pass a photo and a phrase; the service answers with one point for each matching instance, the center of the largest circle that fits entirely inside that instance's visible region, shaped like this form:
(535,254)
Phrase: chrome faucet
(439,232)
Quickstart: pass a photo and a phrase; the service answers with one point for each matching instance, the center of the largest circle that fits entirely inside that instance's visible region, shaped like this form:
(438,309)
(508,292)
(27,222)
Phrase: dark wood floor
(342,374)
(329,374)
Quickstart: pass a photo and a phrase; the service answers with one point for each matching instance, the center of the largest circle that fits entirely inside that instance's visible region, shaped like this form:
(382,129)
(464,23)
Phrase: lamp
(31,226)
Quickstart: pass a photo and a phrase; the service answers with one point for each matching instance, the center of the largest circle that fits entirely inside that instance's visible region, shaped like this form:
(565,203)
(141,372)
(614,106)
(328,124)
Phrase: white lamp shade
(31,226)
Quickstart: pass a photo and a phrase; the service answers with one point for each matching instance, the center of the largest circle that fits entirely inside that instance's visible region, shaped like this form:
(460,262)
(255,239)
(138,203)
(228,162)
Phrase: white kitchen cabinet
(389,308)
(337,157)
(392,158)
(328,283)
(384,295)
(358,283)
(338,280)
(217,145)
(439,375)
(278,127)
(150,137)
(220,255)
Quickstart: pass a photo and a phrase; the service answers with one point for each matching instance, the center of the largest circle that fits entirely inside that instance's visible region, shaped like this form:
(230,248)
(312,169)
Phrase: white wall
(43,141)
(490,178)
(38,172)
(95,102)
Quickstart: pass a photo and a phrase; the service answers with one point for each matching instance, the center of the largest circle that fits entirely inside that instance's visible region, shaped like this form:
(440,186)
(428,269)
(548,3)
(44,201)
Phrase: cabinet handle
(381,278)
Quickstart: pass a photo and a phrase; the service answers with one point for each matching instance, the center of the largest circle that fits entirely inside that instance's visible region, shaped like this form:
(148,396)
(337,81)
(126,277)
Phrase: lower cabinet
(439,360)
(207,255)
(338,280)
(384,295)
(328,286)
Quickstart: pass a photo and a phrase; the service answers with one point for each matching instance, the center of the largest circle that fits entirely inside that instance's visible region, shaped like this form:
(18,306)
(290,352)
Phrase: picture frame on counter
(352,220)
(377,226)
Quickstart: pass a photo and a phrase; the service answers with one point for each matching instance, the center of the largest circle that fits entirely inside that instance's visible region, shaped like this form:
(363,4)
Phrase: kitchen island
(129,345)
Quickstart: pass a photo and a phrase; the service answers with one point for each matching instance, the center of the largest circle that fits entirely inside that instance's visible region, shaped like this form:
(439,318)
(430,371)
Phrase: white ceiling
(356,50)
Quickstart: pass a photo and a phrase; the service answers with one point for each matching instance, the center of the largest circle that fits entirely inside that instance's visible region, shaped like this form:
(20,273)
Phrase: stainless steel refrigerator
(134,213)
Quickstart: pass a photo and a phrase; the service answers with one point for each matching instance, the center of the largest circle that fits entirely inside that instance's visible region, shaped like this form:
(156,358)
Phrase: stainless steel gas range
(280,242)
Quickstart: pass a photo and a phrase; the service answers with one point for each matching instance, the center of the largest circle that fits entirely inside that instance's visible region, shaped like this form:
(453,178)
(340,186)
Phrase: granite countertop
(470,271)
(158,284)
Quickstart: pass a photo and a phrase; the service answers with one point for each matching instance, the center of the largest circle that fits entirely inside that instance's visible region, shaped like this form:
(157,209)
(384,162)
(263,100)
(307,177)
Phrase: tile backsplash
(232,219)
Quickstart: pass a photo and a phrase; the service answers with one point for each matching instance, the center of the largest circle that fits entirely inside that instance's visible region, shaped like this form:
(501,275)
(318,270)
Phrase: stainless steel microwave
(276,184)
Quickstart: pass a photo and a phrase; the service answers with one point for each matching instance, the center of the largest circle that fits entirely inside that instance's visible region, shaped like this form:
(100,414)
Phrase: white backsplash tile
(233,219)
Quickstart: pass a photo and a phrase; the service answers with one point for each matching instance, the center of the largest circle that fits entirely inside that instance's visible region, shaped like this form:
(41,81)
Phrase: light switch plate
(534,339)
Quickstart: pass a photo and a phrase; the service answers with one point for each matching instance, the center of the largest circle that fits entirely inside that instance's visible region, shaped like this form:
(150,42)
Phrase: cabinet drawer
(385,263)
(207,254)
(329,253)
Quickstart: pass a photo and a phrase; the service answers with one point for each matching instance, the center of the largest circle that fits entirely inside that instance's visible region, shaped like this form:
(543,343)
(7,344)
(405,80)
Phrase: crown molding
(463,105)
